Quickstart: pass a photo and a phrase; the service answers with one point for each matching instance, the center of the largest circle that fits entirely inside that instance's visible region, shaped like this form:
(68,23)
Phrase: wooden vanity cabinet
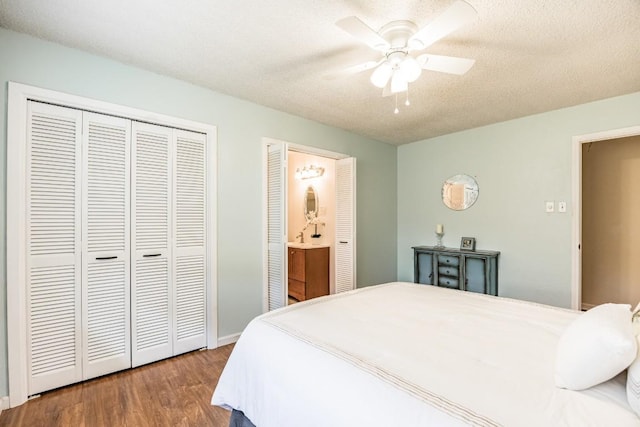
(308,272)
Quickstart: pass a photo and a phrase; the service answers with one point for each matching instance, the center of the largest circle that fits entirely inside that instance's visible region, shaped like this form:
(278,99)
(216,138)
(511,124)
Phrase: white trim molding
(18,97)
(16,243)
(576,188)
(229,339)
(4,403)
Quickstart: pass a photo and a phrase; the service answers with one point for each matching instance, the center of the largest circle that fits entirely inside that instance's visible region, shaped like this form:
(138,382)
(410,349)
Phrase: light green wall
(241,125)
(519,164)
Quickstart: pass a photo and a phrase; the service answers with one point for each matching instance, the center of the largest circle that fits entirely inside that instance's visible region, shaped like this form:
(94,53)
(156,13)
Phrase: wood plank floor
(172,392)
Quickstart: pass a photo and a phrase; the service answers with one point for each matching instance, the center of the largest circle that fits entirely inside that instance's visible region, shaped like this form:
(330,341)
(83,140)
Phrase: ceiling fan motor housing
(398,33)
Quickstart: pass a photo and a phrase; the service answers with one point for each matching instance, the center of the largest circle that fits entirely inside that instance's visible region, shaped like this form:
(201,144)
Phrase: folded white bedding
(405,354)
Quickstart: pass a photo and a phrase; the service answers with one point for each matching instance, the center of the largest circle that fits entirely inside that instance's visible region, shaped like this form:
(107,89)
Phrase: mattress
(406,354)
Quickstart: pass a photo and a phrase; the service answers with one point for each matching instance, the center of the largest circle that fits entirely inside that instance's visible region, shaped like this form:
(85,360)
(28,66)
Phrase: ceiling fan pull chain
(406,102)
(396,111)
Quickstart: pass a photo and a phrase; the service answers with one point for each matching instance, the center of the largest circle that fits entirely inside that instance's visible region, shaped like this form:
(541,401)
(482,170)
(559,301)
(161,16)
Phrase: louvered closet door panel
(53,247)
(190,227)
(106,263)
(276,226)
(151,297)
(345,225)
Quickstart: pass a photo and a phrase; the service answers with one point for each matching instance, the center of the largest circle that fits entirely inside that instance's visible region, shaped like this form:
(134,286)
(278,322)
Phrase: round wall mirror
(311,203)
(460,192)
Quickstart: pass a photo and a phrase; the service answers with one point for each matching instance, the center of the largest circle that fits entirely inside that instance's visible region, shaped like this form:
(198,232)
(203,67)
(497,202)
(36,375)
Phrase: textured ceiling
(531,55)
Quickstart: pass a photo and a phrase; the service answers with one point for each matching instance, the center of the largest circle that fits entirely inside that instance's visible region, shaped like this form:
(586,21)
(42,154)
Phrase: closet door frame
(18,97)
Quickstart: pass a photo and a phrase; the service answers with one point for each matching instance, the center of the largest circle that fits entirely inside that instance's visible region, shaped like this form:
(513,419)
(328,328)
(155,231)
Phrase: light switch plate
(562,207)
(549,207)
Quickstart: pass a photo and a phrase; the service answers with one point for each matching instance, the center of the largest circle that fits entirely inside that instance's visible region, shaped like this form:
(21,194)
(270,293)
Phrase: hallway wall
(610,225)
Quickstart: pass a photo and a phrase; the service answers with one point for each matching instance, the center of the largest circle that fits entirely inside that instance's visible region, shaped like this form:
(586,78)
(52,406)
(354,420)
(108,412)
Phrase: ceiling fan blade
(354,69)
(445,64)
(362,67)
(458,14)
(361,31)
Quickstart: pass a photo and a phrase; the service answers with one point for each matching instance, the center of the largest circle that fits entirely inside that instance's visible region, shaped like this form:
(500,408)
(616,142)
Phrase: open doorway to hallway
(610,221)
(604,231)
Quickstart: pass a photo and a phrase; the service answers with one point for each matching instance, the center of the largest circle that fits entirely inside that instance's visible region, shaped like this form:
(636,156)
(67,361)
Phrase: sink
(306,245)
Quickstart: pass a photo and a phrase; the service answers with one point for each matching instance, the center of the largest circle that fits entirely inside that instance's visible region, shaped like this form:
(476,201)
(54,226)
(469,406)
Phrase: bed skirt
(238,419)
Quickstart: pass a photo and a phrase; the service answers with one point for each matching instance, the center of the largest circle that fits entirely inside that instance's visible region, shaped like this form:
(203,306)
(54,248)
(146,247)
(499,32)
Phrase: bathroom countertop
(306,245)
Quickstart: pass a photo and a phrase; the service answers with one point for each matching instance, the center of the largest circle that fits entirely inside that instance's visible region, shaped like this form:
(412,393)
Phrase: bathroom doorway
(309,205)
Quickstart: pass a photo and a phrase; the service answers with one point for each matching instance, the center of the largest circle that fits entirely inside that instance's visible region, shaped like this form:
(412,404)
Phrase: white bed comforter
(402,354)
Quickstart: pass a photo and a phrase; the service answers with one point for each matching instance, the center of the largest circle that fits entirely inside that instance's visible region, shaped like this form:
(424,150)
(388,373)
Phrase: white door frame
(290,147)
(18,97)
(576,187)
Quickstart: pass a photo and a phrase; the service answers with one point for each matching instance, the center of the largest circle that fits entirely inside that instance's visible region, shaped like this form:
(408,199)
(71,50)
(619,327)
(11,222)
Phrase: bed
(402,354)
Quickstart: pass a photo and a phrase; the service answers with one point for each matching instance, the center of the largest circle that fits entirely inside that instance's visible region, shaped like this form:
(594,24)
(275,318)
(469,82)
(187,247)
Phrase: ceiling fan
(397,40)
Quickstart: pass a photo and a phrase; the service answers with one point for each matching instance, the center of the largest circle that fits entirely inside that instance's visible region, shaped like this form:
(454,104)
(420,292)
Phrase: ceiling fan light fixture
(410,68)
(381,75)
(398,82)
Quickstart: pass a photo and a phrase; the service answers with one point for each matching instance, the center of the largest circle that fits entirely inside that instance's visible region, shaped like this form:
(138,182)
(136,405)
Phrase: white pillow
(633,385)
(595,347)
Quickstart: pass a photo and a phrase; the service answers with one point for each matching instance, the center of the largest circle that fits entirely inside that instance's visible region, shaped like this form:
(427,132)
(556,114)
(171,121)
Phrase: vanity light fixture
(309,172)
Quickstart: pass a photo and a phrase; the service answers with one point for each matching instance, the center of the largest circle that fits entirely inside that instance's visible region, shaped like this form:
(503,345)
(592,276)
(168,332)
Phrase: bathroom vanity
(308,270)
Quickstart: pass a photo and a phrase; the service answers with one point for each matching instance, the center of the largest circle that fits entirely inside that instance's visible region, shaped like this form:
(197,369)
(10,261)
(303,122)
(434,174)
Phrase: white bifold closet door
(169,223)
(106,303)
(78,293)
(345,253)
(189,246)
(276,226)
(116,244)
(151,296)
(53,210)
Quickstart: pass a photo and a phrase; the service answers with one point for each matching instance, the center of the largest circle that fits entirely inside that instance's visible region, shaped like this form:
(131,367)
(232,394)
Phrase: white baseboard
(4,403)
(229,339)
(587,306)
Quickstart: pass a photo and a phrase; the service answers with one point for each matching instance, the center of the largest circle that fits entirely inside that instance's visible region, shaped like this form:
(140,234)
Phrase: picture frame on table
(468,244)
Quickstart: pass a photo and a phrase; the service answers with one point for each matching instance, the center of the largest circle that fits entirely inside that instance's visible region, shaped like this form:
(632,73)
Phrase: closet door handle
(150,255)
(100,258)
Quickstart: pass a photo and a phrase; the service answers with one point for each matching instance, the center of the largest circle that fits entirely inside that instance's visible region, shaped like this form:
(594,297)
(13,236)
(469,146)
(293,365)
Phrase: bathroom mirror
(311,203)
(460,192)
